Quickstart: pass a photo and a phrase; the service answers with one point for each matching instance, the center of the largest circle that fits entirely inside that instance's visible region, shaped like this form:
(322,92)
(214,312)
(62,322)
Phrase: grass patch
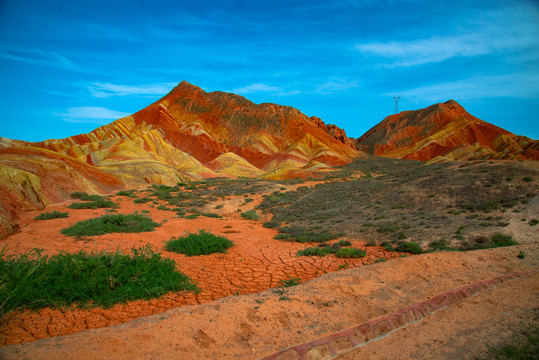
(347,253)
(142,200)
(316,251)
(35,281)
(523,346)
(92,202)
(409,247)
(501,240)
(336,248)
(290,282)
(203,243)
(51,215)
(271,224)
(112,223)
(212,215)
(303,235)
(250,214)
(128,193)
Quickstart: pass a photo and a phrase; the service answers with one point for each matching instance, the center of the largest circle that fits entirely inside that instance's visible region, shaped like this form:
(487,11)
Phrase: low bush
(350,253)
(51,215)
(112,223)
(142,200)
(303,235)
(250,214)
(500,240)
(271,224)
(409,247)
(316,251)
(96,202)
(128,193)
(212,215)
(290,282)
(203,243)
(35,281)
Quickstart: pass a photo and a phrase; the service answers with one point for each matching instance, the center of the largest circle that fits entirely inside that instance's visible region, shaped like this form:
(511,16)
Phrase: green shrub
(97,202)
(51,215)
(441,245)
(271,224)
(98,279)
(212,215)
(527,179)
(316,251)
(533,222)
(350,253)
(142,200)
(250,214)
(302,235)
(203,243)
(112,223)
(290,282)
(128,193)
(191,216)
(344,243)
(500,240)
(409,247)
(485,206)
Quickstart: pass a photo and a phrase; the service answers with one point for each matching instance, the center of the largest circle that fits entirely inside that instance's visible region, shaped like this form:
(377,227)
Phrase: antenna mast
(396,99)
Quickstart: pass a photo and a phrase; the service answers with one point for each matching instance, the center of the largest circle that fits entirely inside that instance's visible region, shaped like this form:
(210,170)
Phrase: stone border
(341,342)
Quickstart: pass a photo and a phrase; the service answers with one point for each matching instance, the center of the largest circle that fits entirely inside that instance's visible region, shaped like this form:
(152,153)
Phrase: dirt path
(258,325)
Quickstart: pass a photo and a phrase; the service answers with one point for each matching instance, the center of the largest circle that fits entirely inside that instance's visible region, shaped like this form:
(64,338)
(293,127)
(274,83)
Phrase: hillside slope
(444,132)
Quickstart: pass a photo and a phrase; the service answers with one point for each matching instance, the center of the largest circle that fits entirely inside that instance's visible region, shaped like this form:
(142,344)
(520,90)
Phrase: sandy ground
(257,262)
(259,325)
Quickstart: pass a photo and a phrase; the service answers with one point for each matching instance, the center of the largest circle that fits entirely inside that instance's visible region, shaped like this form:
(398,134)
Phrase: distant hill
(444,132)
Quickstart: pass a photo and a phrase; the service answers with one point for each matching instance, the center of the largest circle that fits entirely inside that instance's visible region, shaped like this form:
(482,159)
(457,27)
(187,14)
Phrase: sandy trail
(258,325)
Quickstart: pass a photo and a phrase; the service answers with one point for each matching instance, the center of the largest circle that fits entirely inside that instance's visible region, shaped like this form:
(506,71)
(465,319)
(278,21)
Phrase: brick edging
(341,342)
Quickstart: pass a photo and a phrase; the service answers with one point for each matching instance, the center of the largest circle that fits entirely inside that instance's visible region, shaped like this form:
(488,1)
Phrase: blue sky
(68,67)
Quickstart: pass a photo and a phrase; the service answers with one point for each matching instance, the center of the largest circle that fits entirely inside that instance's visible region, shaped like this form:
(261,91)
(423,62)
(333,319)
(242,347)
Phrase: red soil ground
(257,262)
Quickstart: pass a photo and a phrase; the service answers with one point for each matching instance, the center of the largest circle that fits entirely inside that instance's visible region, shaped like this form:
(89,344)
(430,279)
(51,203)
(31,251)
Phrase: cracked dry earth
(262,325)
(257,262)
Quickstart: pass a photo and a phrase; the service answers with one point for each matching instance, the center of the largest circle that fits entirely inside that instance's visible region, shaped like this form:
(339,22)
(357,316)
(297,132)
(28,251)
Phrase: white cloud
(256,88)
(91,114)
(522,85)
(102,90)
(508,32)
(422,51)
(37,57)
(336,85)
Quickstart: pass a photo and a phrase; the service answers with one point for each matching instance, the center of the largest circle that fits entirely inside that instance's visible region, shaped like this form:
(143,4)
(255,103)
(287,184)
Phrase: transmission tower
(396,98)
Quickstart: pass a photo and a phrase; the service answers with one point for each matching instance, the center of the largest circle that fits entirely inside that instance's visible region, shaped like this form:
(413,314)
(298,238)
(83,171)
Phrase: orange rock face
(444,132)
(188,134)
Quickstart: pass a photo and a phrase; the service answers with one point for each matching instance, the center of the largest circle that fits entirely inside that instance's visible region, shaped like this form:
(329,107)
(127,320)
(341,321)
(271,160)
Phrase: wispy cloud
(336,85)
(423,51)
(494,32)
(103,90)
(37,57)
(522,85)
(256,88)
(91,114)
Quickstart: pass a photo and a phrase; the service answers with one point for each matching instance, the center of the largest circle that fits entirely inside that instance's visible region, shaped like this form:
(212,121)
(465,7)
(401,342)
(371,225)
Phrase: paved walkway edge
(341,342)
